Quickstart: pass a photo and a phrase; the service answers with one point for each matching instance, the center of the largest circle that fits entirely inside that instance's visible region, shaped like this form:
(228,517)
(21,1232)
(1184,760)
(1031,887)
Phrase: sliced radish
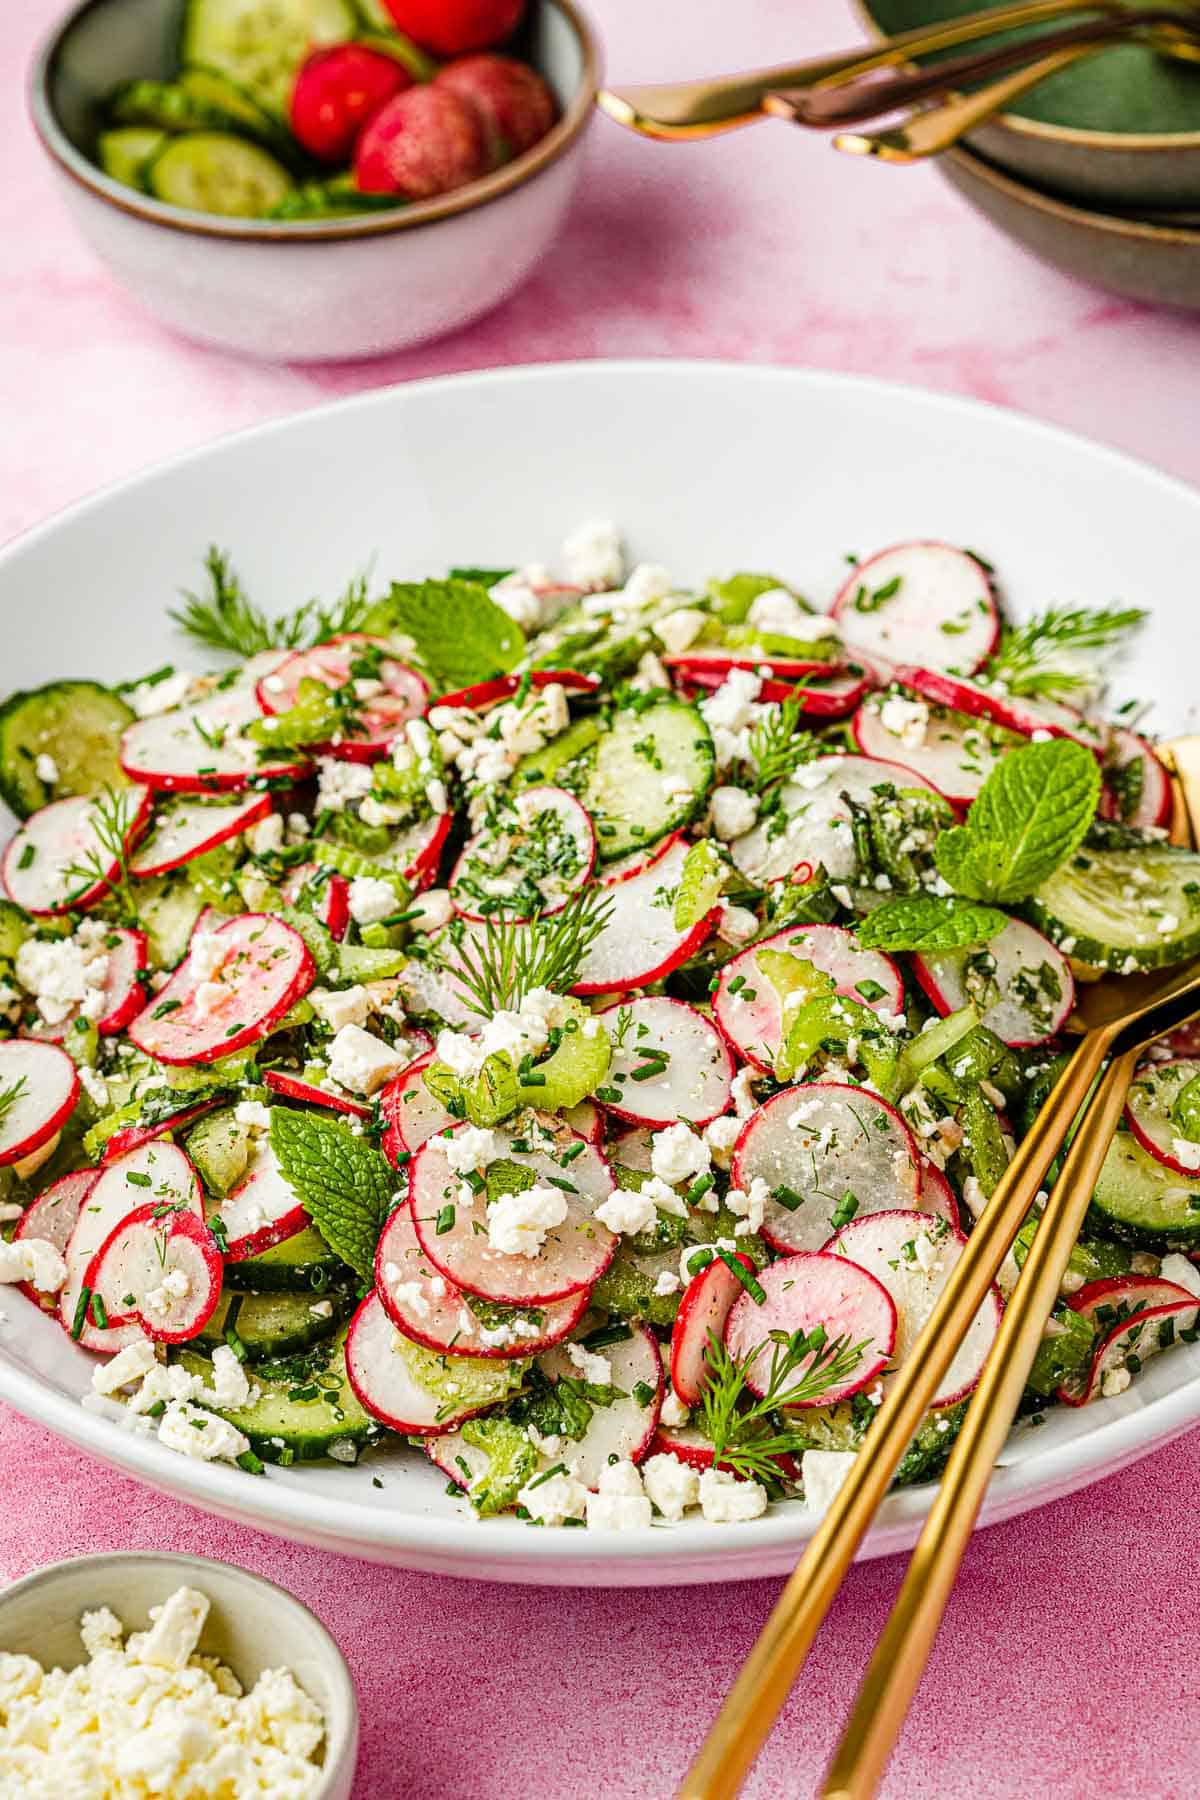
(624,1430)
(262,1209)
(1132,765)
(832,699)
(52,1218)
(708,668)
(56,862)
(122,994)
(294,1087)
(431,1311)
(1184,1040)
(1027,717)
(132,1137)
(199,1017)
(747,1007)
(639,942)
(381,1376)
(703,1310)
(1022,985)
(922,602)
(956,753)
(411,1114)
(47,1087)
(814,805)
(503,687)
(160,1271)
(913,1255)
(330,895)
(416,850)
(191,827)
(432,985)
(1152,1095)
(937,1196)
(688,1445)
(585,1119)
(202,748)
(528,861)
(638,861)
(825,1149)
(804,1291)
(574,1254)
(669,1063)
(399,693)
(1136,1317)
(157,1175)
(1117,1297)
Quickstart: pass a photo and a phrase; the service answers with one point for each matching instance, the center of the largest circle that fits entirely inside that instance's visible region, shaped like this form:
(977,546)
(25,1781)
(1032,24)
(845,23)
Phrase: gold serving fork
(1116,1018)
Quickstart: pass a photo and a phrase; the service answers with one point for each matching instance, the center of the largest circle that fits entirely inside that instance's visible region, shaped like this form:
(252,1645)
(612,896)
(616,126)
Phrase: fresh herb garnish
(1031,815)
(741,1425)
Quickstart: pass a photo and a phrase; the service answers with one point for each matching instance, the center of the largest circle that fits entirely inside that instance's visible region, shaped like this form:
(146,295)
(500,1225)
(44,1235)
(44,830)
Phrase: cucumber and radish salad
(567,1021)
(294,110)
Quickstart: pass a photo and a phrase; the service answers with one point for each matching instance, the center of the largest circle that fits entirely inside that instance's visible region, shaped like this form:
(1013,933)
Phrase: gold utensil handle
(767,1675)
(902,1652)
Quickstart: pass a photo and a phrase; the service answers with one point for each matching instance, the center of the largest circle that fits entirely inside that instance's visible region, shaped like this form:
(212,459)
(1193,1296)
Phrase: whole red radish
(424,142)
(448,27)
(516,106)
(337,91)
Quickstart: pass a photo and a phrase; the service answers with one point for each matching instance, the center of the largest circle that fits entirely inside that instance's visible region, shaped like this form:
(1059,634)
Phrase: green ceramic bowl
(1120,129)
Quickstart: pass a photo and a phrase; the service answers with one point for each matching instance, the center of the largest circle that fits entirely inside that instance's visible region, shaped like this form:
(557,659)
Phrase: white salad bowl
(252,1626)
(733,467)
(307,291)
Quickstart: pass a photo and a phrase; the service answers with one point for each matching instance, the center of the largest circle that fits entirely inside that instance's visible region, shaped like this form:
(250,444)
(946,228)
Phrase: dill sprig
(10,1095)
(1042,658)
(512,957)
(741,1425)
(779,745)
(108,864)
(224,619)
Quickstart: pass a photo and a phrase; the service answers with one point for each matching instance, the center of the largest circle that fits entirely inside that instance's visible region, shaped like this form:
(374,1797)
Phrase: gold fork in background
(1118,1018)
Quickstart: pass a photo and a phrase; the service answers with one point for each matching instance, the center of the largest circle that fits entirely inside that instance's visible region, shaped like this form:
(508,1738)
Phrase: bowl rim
(1078,136)
(342,1721)
(1140,230)
(563,134)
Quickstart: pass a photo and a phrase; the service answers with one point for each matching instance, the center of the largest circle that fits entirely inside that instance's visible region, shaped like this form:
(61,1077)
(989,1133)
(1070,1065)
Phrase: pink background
(1066,1665)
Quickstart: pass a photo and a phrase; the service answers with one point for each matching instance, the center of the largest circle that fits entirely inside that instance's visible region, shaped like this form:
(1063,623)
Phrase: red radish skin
(451,27)
(424,142)
(261,1211)
(913,1255)
(53,1217)
(937,586)
(439,1315)
(1148,1112)
(472,866)
(337,91)
(191,828)
(417,850)
(294,1087)
(847,1140)
(703,1310)
(514,103)
(638,942)
(267,969)
(333,907)
(1138,1334)
(202,749)
(384,1384)
(139,1253)
(1153,808)
(132,1137)
(61,837)
(689,1445)
(1139,1293)
(411,1114)
(485,694)
(45,1101)
(1014,713)
(380,719)
(833,699)
(709,668)
(1023,1015)
(808,1290)
(573,1256)
(637,862)
(937,1196)
(122,993)
(957,753)
(625,1430)
(747,1007)
(694,1084)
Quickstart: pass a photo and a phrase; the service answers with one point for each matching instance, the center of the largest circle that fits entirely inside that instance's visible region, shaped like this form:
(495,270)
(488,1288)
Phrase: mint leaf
(461,635)
(341,1180)
(929,922)
(1032,814)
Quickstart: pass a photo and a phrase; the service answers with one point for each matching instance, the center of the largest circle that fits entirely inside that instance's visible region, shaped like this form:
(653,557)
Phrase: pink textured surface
(767,247)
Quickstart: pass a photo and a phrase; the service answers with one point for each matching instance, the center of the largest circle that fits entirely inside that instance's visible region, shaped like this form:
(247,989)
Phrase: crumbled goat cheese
(200,1435)
(1182,1272)
(338,783)
(363,1063)
(724,1500)
(675,1414)
(647,583)
(1114,1382)
(740,1092)
(822,1473)
(593,557)
(266,835)
(518,595)
(34,1260)
(151,697)
(231,1384)
(671,1485)
(518,1034)
(340,1007)
(592,1366)
(736,925)
(553,1500)
(733,812)
(650,674)
(371,900)
(731,706)
(679,1154)
(750,1206)
(627,1211)
(721,1135)
(206,954)
(518,1223)
(620,1504)
(666,1282)
(907,720)
(174,1285)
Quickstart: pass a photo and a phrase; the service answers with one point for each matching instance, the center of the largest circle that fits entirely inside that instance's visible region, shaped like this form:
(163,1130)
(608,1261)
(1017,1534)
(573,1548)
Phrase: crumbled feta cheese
(731,706)
(822,1473)
(338,783)
(721,1135)
(363,1063)
(647,583)
(671,1485)
(518,1223)
(779,611)
(254,1114)
(554,1499)
(34,1260)
(679,1154)
(95,1087)
(266,835)
(517,1034)
(650,674)
(592,1366)
(733,812)
(431,910)
(1182,1271)
(724,1500)
(593,556)
(907,720)
(518,595)
(371,899)
(1114,1382)
(680,628)
(231,1384)
(63,974)
(620,1504)
(206,954)
(471,1147)
(159,1300)
(203,1436)
(46,769)
(741,1093)
(340,1007)
(207,998)
(675,1414)
(736,925)
(151,697)
(128,1366)
(749,1206)
(412,1295)
(666,1282)
(627,1211)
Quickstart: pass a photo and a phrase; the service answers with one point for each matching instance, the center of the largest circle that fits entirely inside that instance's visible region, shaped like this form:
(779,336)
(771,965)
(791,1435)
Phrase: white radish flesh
(191,827)
(1021,984)
(1133,769)
(669,1063)
(159,1271)
(56,862)
(937,1196)
(402,693)
(542,850)
(803,1293)
(294,1087)
(913,1256)
(703,1310)
(1148,1110)
(411,1113)
(261,1211)
(122,996)
(818,818)
(201,749)
(639,941)
(956,753)
(382,1378)
(202,1015)
(922,602)
(55,1213)
(1017,713)
(825,1149)
(1160,1312)
(44,1086)
(624,1430)
(638,861)
(747,1007)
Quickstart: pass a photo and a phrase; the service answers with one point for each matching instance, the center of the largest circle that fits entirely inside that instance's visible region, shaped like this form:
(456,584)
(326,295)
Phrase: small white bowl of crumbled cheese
(158,1674)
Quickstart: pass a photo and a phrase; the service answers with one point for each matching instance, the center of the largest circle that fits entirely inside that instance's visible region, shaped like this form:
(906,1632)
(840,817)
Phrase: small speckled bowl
(253,1625)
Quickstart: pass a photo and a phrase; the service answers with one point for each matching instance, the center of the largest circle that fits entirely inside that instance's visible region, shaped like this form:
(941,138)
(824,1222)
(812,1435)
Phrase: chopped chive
(252,1464)
(751,1283)
(445,1221)
(81,1311)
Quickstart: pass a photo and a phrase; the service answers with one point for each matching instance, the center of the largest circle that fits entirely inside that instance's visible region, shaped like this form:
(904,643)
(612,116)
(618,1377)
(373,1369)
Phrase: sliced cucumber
(169,106)
(168,907)
(260,44)
(334,199)
(282,1427)
(1138,1200)
(647,774)
(215,172)
(127,154)
(233,109)
(1123,909)
(78,725)
(274,1325)
(15,927)
(301,1264)
(220,1149)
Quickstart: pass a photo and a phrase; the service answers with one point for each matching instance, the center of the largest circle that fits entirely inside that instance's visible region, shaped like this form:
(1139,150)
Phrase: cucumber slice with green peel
(1123,909)
(78,725)
(126,154)
(301,1264)
(215,172)
(233,109)
(15,927)
(335,199)
(285,1428)
(1138,1201)
(220,1149)
(274,1325)
(196,102)
(260,44)
(168,907)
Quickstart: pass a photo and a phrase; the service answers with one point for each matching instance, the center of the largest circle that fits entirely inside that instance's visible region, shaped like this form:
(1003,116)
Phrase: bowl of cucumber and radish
(422,155)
